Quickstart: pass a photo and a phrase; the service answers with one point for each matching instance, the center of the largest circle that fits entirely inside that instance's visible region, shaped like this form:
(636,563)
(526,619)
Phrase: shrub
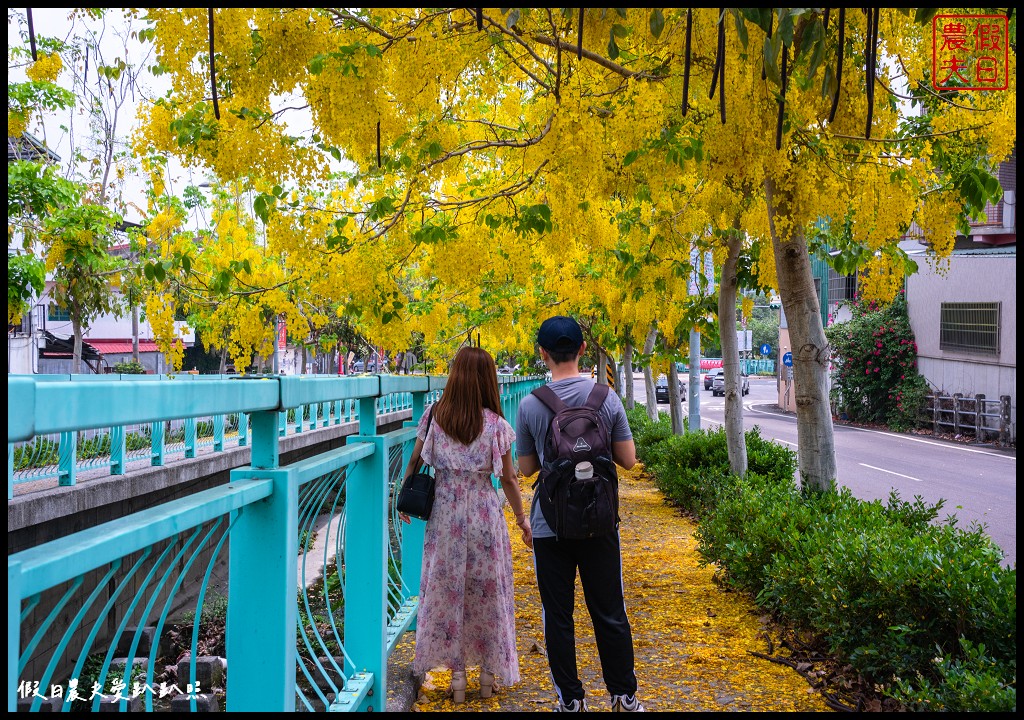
(129,367)
(876,378)
(974,682)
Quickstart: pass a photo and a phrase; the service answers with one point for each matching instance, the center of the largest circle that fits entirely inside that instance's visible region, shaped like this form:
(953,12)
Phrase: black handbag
(416,497)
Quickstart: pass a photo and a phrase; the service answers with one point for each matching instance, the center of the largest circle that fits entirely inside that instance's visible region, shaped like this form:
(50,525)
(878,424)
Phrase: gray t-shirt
(532,423)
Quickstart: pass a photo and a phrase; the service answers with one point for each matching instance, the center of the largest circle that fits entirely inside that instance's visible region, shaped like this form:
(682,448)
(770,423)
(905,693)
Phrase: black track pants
(600,567)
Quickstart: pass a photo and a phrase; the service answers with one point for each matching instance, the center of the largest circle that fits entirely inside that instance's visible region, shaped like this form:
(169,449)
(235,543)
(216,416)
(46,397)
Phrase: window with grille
(970,327)
(58,313)
(841,287)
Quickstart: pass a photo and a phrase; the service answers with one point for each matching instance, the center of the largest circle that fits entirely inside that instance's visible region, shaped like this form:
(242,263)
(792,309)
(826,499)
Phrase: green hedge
(922,607)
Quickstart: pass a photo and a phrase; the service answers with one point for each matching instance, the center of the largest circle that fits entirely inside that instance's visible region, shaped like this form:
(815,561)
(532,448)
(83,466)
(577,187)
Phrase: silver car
(718,384)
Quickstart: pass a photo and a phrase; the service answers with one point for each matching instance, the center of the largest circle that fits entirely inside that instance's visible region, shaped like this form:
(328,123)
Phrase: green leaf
(630,158)
(785,30)
(619,31)
(771,68)
(259,206)
(741,26)
(159,273)
(613,49)
(621,12)
(186,263)
(923,16)
(657,22)
(147,270)
(815,37)
(372,50)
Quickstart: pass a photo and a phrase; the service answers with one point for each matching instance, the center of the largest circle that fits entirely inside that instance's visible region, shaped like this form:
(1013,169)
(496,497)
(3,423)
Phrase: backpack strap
(547,396)
(597,396)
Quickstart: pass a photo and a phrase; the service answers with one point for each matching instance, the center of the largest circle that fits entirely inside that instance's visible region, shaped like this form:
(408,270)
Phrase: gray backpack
(578,508)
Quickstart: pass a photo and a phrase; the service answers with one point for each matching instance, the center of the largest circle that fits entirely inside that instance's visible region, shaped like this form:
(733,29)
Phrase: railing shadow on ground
(93,621)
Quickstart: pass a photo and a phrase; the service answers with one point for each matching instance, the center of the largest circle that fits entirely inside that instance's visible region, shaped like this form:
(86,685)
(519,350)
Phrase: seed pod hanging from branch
(782,98)
(719,54)
(31,34)
(579,38)
(378,143)
(686,61)
(213,74)
(839,64)
(771,16)
(871,52)
(721,65)
(479,18)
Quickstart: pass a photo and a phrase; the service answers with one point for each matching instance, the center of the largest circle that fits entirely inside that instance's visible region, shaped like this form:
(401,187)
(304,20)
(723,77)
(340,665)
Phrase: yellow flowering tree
(467,172)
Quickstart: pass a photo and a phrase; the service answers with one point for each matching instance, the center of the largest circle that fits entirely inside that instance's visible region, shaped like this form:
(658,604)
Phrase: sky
(62,130)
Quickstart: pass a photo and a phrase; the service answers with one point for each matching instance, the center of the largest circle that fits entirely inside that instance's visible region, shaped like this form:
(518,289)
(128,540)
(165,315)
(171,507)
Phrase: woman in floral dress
(466,615)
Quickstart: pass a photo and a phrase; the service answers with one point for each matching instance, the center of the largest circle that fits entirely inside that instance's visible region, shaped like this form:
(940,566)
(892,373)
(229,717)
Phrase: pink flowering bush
(875,359)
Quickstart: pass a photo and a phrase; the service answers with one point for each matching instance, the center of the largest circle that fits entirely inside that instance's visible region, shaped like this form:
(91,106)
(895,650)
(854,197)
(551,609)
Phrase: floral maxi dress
(467,611)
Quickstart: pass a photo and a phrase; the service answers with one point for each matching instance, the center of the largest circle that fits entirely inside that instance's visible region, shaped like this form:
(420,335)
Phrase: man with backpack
(574,432)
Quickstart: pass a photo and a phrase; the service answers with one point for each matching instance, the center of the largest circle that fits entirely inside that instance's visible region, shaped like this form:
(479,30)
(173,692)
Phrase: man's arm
(529,464)
(623,452)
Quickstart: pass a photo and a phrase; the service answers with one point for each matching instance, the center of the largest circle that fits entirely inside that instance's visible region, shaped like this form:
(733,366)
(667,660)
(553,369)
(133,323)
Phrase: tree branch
(593,57)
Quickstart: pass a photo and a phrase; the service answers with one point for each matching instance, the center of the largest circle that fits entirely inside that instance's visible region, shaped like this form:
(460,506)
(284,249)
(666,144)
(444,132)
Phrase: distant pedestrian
(399,362)
(467,600)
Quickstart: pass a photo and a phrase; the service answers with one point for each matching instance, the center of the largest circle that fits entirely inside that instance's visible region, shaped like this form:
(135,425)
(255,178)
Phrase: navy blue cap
(560,334)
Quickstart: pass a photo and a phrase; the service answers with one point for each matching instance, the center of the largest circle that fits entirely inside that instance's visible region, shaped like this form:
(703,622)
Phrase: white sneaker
(574,706)
(626,703)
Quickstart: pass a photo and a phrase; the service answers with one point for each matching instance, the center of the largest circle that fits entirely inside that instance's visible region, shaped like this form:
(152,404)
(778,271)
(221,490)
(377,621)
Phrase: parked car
(358,366)
(709,377)
(661,390)
(718,386)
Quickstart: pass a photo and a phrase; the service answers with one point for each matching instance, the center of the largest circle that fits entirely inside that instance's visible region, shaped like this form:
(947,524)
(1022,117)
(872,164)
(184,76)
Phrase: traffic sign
(766,349)
(787,359)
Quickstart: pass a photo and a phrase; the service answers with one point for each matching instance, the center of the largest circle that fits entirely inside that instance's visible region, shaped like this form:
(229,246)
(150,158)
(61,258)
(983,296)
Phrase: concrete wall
(970,278)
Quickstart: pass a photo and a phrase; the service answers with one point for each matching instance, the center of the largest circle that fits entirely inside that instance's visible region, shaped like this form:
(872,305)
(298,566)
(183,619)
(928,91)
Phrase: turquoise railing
(321,578)
(64,455)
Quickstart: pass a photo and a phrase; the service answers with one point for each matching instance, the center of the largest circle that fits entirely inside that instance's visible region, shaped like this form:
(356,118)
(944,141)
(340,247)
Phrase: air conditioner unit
(1010,210)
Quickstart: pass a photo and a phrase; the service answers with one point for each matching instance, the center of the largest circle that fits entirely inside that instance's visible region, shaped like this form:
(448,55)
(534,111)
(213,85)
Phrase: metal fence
(986,420)
(321,577)
(64,455)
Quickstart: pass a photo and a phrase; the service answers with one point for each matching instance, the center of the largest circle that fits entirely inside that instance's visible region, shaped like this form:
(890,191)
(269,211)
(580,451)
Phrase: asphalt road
(978,483)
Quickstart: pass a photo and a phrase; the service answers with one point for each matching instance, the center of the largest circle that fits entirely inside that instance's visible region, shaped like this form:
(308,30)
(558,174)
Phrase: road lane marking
(898,435)
(890,472)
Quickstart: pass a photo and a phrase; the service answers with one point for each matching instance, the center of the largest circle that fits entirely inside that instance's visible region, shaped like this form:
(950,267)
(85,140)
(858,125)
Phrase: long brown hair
(472,386)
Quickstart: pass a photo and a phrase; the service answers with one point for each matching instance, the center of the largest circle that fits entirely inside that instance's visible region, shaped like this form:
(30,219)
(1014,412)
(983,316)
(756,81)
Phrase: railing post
(957,397)
(66,464)
(262,613)
(1004,420)
(13,631)
(117,450)
(156,444)
(325,408)
(218,433)
(366,560)
(10,471)
(413,533)
(282,423)
(979,417)
(243,429)
(935,413)
(190,437)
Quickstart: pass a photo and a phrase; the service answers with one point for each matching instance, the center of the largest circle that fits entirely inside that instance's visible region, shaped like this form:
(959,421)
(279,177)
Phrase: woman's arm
(510,486)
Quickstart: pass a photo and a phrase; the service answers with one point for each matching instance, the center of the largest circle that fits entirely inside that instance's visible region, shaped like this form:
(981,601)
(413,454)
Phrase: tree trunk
(135,333)
(652,400)
(627,362)
(76,357)
(815,440)
(601,373)
(675,402)
(302,364)
(223,360)
(734,438)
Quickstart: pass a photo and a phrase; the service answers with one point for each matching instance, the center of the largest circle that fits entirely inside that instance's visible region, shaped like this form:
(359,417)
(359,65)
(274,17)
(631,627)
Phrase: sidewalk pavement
(694,640)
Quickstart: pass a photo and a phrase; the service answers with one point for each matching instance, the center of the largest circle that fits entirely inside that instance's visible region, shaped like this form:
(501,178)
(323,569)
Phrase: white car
(718,384)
